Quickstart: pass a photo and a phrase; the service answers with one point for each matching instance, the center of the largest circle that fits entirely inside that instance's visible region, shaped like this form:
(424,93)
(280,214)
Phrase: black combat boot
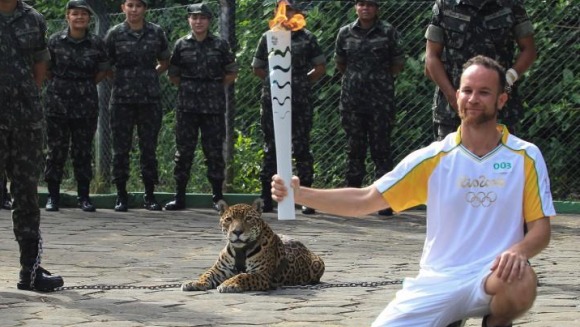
(149,201)
(307,210)
(386,212)
(267,197)
(32,276)
(217,195)
(53,200)
(178,202)
(83,197)
(121,205)
(6,201)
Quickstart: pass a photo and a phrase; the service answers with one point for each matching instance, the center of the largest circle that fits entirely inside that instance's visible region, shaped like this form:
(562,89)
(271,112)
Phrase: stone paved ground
(142,248)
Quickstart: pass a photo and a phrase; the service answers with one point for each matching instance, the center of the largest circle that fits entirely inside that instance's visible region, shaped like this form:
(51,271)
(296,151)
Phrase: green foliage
(551,90)
(555,130)
(51,9)
(247,161)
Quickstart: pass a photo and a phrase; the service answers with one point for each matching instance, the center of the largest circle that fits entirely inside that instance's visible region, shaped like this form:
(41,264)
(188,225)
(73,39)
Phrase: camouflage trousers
(146,117)
(21,159)
(301,126)
(372,128)
(188,128)
(78,134)
(442,129)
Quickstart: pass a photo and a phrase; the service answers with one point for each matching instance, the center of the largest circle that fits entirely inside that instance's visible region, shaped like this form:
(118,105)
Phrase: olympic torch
(280,68)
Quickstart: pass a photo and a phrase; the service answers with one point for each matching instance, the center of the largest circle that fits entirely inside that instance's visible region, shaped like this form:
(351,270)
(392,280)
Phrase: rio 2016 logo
(483,199)
(502,166)
(481,182)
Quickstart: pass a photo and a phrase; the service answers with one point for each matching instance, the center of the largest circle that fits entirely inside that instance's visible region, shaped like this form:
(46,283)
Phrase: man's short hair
(489,64)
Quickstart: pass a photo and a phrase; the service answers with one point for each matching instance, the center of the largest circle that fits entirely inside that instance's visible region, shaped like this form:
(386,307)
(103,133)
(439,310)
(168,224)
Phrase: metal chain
(319,286)
(346,284)
(103,287)
(36,262)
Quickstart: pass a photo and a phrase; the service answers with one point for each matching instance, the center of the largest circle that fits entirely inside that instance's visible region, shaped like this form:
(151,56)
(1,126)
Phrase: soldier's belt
(199,79)
(75,79)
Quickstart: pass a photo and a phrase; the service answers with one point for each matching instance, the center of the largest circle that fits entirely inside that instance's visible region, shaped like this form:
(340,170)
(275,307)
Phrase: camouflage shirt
(468,28)
(306,54)
(73,66)
(22,44)
(367,83)
(201,67)
(134,56)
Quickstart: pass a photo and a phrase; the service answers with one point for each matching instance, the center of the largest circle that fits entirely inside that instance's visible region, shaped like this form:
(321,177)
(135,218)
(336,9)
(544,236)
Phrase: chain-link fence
(550,90)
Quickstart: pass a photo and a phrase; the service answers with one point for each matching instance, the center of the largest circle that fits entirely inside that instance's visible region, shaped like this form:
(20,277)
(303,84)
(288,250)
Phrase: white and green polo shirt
(476,206)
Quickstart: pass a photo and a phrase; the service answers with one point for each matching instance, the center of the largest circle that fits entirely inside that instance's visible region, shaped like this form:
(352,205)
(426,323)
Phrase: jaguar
(255,258)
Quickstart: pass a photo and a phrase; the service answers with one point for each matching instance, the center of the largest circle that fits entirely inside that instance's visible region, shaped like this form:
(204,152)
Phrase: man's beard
(481,119)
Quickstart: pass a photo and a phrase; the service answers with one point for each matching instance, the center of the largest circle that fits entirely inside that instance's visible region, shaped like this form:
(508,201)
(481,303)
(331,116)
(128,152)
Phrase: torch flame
(281,22)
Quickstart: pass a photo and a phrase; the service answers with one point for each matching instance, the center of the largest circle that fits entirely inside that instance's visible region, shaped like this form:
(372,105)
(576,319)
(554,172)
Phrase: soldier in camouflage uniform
(308,65)
(462,29)
(78,62)
(368,54)
(201,65)
(23,64)
(139,53)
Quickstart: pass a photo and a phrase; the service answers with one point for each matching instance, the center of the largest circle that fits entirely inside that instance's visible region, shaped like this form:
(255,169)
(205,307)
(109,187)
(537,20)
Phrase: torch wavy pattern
(282,117)
(285,113)
(278,67)
(278,100)
(278,52)
(280,86)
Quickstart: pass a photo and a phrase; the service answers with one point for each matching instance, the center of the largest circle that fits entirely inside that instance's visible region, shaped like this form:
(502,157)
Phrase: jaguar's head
(242,224)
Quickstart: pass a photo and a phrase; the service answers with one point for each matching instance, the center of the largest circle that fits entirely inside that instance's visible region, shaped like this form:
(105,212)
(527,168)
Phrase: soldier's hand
(452,100)
(511,76)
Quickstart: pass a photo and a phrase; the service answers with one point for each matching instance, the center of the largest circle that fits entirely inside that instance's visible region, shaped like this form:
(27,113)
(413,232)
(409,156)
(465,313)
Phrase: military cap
(292,4)
(199,8)
(79,4)
(372,1)
(145,2)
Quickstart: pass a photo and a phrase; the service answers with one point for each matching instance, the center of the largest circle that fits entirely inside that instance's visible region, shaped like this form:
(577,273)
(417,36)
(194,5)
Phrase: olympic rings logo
(483,199)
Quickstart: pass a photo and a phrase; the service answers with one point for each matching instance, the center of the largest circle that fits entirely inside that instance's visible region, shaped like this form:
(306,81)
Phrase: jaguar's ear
(258,205)
(222,207)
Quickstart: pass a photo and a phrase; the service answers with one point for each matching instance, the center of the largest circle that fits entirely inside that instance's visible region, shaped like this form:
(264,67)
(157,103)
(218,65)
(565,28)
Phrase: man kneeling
(480,185)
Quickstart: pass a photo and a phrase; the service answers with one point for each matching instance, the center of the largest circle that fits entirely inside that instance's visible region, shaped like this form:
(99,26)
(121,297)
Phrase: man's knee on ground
(520,294)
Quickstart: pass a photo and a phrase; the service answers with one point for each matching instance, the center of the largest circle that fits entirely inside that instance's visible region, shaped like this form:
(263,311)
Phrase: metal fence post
(103,138)
(228,32)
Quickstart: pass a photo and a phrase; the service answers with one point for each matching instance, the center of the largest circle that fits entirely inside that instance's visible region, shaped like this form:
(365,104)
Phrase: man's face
(479,97)
(8,2)
(134,10)
(199,23)
(366,11)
